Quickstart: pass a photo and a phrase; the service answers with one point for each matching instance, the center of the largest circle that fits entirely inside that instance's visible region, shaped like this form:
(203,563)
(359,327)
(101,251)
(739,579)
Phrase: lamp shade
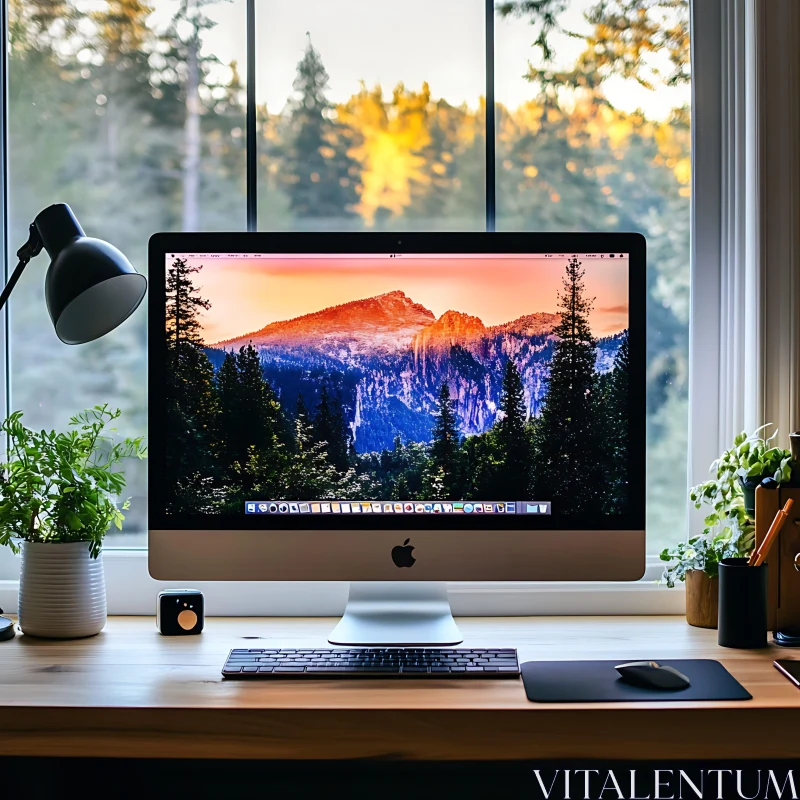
(90,287)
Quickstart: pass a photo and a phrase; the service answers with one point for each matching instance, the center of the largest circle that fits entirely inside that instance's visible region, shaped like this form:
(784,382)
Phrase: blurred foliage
(103,109)
(628,38)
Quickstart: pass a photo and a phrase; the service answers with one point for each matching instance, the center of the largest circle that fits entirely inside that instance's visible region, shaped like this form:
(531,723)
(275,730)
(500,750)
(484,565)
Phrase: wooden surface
(766,508)
(783,589)
(131,692)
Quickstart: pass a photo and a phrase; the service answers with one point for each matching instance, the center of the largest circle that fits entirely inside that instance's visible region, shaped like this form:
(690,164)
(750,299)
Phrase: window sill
(131,591)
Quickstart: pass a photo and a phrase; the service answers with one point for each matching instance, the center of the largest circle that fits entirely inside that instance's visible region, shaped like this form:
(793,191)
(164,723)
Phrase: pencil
(757,557)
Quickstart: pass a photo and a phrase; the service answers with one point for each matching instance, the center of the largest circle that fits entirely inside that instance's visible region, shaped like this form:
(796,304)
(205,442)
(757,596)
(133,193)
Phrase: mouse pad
(599,682)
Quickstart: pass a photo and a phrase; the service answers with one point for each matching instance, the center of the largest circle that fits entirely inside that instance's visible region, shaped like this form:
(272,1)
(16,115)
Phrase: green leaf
(73,520)
(723,536)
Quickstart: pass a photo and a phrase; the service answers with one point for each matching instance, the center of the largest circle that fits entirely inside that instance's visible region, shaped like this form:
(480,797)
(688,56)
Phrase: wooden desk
(131,692)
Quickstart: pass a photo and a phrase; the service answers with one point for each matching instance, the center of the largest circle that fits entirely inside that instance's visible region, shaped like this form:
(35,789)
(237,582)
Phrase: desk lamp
(90,287)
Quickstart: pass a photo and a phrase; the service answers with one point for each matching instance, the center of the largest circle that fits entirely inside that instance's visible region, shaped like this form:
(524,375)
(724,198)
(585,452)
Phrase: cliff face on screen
(390,357)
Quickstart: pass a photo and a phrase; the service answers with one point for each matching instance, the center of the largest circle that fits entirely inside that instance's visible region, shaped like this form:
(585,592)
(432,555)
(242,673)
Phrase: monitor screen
(392,384)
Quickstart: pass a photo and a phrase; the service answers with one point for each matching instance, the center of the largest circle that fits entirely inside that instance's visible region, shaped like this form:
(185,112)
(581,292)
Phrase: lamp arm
(29,250)
(12,281)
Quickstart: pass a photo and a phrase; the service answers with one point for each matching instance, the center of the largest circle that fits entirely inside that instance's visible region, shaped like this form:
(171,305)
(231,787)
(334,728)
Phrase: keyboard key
(289,669)
(249,669)
(265,669)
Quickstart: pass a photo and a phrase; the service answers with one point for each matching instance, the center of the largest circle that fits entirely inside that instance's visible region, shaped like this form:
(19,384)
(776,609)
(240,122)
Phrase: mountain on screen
(388,356)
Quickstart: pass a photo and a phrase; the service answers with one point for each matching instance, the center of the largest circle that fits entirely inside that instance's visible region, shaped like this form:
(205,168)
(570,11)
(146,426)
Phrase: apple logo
(401,554)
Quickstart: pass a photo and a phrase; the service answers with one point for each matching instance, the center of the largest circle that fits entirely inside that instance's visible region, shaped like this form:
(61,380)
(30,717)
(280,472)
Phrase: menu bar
(403,256)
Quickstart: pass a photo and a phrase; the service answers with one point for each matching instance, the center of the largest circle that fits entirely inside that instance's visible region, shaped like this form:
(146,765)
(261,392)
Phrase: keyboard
(369,662)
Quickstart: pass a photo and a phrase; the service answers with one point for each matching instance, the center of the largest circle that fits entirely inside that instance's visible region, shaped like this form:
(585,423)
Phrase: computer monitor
(406,408)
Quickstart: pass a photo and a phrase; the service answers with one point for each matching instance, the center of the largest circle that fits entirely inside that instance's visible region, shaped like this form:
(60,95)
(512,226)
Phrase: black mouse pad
(599,682)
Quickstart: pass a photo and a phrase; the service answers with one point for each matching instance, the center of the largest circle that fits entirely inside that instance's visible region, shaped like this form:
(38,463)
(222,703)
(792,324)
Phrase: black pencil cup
(742,604)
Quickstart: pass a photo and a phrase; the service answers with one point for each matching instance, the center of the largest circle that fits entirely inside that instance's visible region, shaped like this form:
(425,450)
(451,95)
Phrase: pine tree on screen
(330,428)
(445,461)
(617,419)
(401,490)
(228,387)
(183,305)
(309,475)
(569,468)
(301,411)
(512,437)
(191,395)
(251,416)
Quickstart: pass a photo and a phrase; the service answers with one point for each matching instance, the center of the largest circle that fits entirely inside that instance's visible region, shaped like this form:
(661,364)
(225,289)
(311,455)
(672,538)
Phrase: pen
(757,557)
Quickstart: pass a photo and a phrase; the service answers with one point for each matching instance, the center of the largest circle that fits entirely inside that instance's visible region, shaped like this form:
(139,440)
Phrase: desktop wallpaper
(398,378)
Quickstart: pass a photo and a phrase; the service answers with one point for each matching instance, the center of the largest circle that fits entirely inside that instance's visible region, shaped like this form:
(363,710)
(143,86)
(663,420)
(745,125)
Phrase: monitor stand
(395,613)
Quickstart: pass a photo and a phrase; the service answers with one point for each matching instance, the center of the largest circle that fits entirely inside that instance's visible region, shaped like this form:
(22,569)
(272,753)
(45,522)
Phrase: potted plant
(753,459)
(58,498)
(729,528)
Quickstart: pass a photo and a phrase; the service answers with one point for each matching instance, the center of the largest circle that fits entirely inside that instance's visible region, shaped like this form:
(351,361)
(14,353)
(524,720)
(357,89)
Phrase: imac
(397,411)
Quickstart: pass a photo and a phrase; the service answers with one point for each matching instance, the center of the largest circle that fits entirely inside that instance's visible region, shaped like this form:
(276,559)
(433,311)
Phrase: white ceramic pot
(62,590)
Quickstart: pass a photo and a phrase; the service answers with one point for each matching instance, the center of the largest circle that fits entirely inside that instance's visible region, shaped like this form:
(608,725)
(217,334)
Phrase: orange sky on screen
(248,294)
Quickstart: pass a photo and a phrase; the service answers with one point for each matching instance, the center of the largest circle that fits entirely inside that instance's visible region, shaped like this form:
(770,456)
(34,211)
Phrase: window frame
(131,590)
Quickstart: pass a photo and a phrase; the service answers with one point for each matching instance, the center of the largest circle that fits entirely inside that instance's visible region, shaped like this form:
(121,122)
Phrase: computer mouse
(651,675)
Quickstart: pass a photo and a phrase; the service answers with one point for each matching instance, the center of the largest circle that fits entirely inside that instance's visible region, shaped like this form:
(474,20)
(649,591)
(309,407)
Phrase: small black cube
(180,612)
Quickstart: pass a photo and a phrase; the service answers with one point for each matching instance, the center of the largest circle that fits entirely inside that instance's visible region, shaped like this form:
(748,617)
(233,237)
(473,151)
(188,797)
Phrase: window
(366,117)
(124,111)
(370,115)
(596,136)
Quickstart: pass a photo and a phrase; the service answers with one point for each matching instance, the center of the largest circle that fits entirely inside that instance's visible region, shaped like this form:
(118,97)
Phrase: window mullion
(491,114)
(251,144)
